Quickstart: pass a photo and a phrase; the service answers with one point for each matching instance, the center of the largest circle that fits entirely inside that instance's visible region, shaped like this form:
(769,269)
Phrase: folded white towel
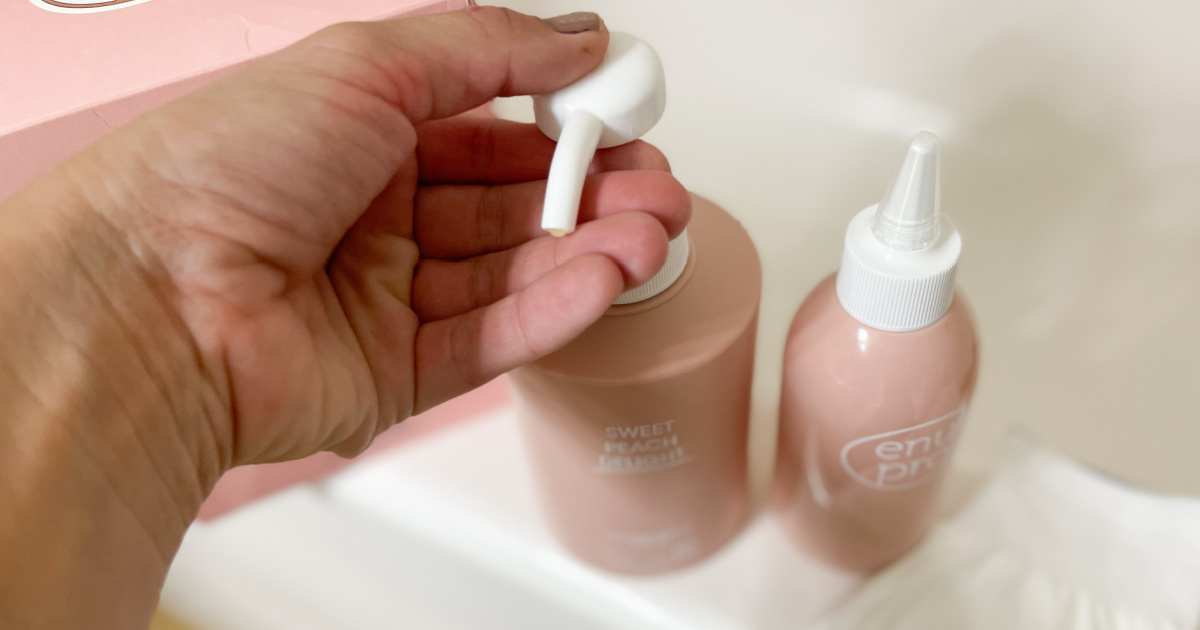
(1048,543)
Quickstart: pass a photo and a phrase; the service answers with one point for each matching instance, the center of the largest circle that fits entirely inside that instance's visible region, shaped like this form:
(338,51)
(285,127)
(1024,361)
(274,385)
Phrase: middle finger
(455,222)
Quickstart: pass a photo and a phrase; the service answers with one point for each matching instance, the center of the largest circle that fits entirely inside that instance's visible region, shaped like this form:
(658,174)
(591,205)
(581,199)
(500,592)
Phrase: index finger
(440,65)
(481,150)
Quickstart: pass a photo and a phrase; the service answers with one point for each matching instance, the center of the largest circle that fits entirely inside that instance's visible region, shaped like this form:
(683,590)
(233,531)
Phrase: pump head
(616,103)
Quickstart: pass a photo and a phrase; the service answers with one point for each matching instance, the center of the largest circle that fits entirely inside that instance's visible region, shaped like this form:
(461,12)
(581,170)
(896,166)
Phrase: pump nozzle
(616,103)
(907,218)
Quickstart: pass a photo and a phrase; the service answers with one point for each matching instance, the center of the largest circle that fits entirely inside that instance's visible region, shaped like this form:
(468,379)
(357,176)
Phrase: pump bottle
(637,430)
(879,367)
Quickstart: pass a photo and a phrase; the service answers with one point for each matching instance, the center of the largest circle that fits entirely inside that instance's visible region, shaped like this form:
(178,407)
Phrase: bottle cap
(901,255)
(907,218)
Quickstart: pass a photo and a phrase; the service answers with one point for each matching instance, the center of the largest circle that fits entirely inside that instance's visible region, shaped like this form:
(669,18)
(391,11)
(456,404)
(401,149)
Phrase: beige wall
(1072,168)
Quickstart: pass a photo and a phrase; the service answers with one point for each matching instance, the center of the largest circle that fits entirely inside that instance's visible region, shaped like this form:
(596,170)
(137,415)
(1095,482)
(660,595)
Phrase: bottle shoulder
(714,306)
(823,331)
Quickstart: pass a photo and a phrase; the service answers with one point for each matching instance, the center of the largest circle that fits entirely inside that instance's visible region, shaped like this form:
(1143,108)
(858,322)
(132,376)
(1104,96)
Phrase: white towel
(1048,543)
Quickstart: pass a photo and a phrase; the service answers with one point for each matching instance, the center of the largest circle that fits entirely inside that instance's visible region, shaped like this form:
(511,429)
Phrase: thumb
(440,65)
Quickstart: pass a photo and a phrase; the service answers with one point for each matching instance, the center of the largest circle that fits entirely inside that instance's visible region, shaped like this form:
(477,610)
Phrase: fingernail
(572,23)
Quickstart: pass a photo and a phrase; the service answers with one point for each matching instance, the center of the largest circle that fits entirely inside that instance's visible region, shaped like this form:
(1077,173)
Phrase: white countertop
(445,533)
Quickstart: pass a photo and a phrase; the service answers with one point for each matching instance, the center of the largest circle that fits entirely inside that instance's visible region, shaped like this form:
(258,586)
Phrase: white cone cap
(901,255)
(907,218)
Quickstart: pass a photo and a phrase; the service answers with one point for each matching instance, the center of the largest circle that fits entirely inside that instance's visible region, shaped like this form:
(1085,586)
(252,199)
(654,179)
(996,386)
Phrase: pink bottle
(879,368)
(637,430)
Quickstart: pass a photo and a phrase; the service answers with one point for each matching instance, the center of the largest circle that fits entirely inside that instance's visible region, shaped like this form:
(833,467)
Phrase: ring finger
(444,289)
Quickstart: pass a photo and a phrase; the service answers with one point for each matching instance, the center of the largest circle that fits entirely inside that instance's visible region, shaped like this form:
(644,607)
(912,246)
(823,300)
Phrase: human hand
(290,260)
(340,261)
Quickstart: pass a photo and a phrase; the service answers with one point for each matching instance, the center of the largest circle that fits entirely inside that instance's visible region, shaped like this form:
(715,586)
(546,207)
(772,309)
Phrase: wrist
(111,432)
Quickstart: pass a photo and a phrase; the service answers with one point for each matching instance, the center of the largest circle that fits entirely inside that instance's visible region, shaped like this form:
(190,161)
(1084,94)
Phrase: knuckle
(483,144)
(663,187)
(491,17)
(677,192)
(483,282)
(642,224)
(489,218)
(651,158)
(533,347)
(672,201)
(462,341)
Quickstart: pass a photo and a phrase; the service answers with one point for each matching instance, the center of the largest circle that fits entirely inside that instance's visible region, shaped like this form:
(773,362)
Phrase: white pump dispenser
(901,255)
(618,102)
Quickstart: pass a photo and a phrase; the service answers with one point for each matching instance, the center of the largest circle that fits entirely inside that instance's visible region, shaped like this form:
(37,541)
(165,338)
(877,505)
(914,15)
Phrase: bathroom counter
(444,532)
(1070,162)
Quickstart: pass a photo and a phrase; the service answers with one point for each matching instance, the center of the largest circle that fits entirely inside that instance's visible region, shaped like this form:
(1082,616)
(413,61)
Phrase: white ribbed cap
(900,257)
(677,258)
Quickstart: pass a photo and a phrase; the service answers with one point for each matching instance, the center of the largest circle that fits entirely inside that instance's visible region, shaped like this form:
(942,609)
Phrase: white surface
(302,561)
(444,533)
(1070,164)
(84,9)
(1046,545)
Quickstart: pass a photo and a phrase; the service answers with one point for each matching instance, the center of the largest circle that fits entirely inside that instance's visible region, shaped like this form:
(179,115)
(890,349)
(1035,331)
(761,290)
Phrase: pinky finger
(456,355)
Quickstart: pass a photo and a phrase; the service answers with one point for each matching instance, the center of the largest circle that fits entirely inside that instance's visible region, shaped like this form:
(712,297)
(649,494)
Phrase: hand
(290,260)
(343,254)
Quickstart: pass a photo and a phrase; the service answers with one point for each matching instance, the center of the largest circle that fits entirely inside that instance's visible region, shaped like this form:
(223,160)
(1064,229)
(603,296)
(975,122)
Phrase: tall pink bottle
(637,430)
(879,368)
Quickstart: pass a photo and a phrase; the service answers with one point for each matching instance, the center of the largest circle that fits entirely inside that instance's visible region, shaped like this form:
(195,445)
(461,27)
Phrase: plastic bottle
(879,367)
(637,430)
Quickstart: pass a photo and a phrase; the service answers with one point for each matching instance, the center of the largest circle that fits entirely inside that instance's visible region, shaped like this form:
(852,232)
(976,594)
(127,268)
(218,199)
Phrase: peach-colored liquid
(867,427)
(637,430)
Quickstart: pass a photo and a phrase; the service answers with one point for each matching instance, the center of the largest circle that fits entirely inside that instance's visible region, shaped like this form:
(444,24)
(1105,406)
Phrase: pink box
(73,72)
(247,483)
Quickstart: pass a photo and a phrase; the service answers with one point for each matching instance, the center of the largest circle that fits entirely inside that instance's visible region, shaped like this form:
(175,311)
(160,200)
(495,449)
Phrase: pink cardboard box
(242,485)
(73,70)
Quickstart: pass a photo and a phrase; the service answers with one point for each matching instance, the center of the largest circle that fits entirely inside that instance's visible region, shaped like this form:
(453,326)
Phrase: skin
(288,261)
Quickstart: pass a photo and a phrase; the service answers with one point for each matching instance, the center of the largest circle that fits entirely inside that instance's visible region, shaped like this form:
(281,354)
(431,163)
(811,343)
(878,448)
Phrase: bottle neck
(678,252)
(896,290)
